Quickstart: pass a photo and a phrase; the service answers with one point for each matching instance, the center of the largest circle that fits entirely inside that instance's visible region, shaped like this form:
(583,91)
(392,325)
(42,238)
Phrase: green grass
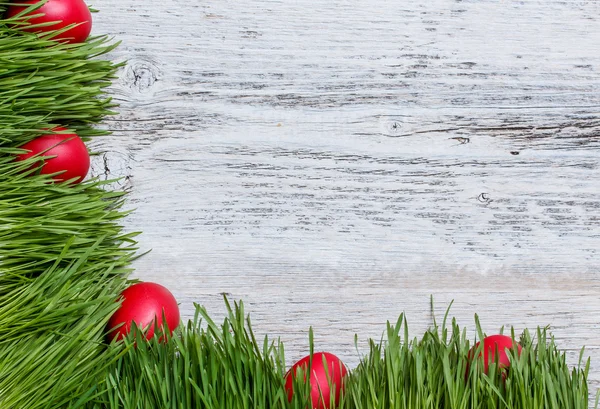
(64,259)
(202,366)
(63,255)
(209,366)
(431,372)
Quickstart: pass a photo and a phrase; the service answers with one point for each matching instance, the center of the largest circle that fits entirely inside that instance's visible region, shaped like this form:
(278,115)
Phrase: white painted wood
(336,163)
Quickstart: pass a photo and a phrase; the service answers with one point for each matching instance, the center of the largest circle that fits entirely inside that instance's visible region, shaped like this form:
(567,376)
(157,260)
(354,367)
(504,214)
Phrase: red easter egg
(145,304)
(61,12)
(67,154)
(326,368)
(501,343)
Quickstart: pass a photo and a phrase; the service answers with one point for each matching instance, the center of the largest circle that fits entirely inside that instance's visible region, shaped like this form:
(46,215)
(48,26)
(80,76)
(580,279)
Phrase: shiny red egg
(326,369)
(145,304)
(66,154)
(493,343)
(61,12)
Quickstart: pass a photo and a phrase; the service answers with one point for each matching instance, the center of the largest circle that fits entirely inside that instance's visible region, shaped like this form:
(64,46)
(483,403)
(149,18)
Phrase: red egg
(61,12)
(145,304)
(66,153)
(501,343)
(326,369)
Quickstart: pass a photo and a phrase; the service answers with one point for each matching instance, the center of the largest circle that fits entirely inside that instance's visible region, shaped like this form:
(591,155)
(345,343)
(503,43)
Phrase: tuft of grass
(226,367)
(435,372)
(44,84)
(204,365)
(63,256)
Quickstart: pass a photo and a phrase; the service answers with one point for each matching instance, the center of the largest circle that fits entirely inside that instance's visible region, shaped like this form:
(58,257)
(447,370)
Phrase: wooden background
(334,163)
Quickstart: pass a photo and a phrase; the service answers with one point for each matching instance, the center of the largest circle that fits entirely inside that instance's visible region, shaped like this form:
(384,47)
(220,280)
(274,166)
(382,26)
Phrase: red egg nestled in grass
(65,153)
(145,304)
(491,344)
(327,372)
(58,14)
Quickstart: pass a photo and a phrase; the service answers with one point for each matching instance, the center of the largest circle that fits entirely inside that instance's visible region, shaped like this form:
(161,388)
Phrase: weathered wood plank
(336,163)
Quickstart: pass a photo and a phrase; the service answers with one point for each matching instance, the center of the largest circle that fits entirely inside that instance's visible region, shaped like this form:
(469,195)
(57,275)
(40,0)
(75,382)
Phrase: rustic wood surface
(336,163)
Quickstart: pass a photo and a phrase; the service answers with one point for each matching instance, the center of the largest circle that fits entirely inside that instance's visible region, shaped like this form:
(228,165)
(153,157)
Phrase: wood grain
(336,163)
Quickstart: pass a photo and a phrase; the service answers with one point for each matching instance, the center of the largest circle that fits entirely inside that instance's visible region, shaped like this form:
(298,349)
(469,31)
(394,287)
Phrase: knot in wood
(484,198)
(141,75)
(394,128)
